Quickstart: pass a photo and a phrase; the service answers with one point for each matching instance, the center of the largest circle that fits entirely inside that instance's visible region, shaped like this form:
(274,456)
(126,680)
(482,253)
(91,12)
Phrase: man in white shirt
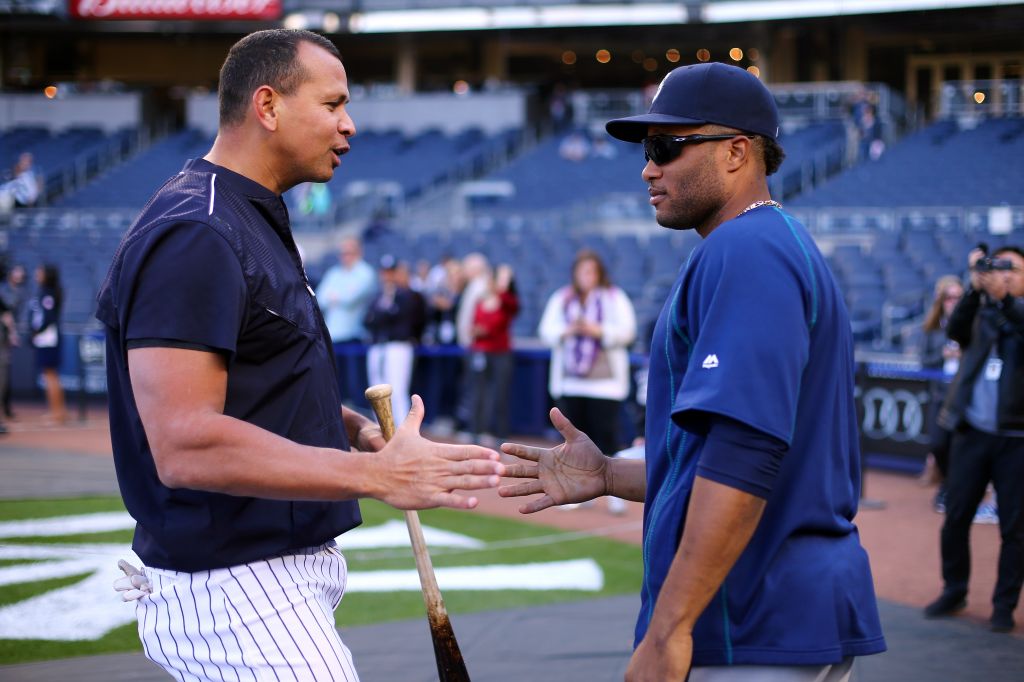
(344,294)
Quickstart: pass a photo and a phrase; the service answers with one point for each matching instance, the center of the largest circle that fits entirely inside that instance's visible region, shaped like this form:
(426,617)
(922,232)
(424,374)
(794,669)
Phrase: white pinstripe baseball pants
(269,620)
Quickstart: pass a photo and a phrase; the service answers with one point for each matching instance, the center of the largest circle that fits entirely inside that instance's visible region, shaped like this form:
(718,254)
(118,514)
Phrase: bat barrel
(450,665)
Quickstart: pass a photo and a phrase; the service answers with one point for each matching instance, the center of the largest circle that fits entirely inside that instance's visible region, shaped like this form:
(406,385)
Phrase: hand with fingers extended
(415,473)
(575,471)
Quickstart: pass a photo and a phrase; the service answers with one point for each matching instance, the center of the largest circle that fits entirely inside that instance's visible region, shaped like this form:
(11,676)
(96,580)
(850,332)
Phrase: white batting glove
(134,585)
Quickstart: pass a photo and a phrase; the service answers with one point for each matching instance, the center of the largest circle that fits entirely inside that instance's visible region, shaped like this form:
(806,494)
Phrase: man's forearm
(218,453)
(719,523)
(958,328)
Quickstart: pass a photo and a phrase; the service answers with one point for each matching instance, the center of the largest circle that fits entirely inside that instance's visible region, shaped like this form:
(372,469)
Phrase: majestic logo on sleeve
(710,362)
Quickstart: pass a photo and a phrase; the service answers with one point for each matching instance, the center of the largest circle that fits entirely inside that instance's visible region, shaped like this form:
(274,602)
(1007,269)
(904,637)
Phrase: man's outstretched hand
(575,471)
(416,473)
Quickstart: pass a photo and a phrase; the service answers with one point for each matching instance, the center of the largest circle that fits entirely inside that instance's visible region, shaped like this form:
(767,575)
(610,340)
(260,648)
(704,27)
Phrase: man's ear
(740,150)
(265,103)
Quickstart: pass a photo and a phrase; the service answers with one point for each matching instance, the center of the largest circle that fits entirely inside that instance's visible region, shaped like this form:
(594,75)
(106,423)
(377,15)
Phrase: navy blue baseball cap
(705,93)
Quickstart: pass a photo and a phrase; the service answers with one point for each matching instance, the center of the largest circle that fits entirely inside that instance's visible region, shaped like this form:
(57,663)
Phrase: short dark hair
(772,153)
(263,58)
(1009,249)
(770,150)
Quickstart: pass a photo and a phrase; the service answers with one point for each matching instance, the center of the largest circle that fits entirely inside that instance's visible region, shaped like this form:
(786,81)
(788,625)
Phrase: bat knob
(378,392)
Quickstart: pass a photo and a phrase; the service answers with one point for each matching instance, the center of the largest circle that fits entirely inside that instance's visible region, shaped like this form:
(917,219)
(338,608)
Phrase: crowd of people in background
(32,315)
(464,310)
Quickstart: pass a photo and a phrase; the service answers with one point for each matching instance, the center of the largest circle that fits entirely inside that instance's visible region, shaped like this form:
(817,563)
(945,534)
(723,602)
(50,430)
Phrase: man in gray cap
(753,568)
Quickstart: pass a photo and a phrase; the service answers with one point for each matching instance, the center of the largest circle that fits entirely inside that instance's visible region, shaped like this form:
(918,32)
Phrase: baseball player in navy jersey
(232,450)
(753,569)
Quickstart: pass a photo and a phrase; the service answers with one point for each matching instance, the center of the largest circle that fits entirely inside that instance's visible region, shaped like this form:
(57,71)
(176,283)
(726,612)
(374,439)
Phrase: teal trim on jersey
(675,463)
(810,267)
(725,625)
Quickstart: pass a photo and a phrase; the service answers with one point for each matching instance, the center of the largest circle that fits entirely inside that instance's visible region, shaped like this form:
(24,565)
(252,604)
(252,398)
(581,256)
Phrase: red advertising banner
(175,9)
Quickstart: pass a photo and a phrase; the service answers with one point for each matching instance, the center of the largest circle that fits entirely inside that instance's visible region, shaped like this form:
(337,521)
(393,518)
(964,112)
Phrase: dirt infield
(901,539)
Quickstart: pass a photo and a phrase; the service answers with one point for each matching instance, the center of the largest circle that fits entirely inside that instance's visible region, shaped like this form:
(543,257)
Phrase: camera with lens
(989,264)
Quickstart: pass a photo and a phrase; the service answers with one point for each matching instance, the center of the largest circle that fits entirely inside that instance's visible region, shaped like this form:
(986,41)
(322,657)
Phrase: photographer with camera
(985,410)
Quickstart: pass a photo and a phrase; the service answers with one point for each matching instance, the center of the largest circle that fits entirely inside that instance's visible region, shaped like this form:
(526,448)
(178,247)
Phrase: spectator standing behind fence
(985,410)
(476,270)
(15,295)
(344,295)
(491,358)
(44,324)
(443,294)
(403,278)
(940,353)
(589,325)
(392,319)
(8,339)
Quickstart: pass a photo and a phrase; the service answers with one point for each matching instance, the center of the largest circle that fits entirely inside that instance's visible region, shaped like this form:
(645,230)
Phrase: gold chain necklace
(759,204)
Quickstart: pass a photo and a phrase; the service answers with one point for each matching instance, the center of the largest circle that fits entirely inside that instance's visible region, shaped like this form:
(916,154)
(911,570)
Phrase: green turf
(516,542)
(111,537)
(125,638)
(18,562)
(11,510)
(20,591)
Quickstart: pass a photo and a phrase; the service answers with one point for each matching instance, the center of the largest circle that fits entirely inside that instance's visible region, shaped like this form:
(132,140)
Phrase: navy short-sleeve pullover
(756,331)
(210,264)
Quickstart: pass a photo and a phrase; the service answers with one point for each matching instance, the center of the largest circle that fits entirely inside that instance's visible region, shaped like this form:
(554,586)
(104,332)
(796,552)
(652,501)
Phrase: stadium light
(332,22)
(297,21)
(760,10)
(552,16)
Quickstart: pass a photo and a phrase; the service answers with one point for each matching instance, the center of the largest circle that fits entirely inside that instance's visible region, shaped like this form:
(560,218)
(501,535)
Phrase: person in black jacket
(985,410)
(394,320)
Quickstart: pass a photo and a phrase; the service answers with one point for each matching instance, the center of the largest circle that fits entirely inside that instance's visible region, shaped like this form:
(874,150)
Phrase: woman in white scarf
(589,326)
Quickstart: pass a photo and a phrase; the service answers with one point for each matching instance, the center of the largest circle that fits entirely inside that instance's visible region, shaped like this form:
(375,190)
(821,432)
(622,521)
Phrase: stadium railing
(981,98)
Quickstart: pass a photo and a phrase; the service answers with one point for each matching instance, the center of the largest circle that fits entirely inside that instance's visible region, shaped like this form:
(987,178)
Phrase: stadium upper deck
(170,47)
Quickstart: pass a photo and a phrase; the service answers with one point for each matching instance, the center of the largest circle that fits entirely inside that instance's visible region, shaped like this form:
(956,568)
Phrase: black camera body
(989,264)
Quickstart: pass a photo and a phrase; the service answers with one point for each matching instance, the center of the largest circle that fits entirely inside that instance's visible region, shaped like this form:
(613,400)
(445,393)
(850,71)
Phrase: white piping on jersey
(213,192)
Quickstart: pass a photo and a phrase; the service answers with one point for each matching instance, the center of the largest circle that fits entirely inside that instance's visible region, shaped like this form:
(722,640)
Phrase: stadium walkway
(583,641)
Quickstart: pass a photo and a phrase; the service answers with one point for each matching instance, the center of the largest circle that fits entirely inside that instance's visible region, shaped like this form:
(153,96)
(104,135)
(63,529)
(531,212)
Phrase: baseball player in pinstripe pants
(232,450)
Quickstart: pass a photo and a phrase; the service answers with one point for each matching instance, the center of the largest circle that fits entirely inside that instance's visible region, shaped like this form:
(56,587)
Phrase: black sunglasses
(662,149)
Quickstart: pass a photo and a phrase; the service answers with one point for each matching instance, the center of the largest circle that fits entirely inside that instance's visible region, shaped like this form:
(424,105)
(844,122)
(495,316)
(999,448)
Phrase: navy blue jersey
(210,265)
(756,330)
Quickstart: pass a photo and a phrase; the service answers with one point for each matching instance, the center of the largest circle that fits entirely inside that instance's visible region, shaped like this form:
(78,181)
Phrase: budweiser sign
(176,9)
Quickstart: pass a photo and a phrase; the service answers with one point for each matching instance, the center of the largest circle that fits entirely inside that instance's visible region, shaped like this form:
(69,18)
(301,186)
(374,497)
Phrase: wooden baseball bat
(450,666)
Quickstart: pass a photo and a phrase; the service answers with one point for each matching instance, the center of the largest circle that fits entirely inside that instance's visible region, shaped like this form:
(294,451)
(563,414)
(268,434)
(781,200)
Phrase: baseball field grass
(501,542)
